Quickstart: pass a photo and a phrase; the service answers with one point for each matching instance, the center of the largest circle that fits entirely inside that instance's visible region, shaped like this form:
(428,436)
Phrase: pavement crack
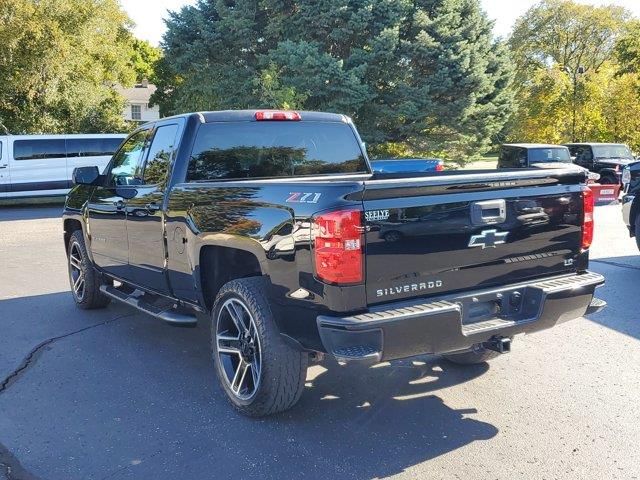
(615,264)
(33,355)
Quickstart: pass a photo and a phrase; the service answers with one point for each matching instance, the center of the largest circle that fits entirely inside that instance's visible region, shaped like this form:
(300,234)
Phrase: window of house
(136,112)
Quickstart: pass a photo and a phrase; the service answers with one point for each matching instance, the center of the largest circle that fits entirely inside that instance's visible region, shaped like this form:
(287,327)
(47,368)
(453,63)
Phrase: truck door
(147,247)
(107,208)
(5,180)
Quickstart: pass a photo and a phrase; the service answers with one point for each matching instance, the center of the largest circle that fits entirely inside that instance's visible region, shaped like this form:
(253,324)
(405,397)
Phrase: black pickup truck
(272,224)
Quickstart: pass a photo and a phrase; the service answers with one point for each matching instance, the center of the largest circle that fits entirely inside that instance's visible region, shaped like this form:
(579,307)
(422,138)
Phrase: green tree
(564,52)
(628,48)
(423,75)
(58,60)
(144,58)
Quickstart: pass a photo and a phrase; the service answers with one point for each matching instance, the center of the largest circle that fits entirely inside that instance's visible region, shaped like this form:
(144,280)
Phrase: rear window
(549,155)
(274,149)
(612,151)
(92,147)
(39,149)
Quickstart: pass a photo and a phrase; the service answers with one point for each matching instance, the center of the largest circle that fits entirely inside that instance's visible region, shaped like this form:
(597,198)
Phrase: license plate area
(514,305)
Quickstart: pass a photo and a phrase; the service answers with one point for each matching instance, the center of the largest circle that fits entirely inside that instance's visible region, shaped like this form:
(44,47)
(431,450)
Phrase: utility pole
(578,71)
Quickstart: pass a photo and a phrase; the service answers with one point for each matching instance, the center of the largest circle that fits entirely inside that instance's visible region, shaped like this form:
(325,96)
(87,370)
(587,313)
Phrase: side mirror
(85,175)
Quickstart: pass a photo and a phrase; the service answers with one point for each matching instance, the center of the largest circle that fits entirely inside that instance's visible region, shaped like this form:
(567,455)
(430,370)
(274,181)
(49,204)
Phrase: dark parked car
(533,155)
(606,159)
(631,200)
(269,222)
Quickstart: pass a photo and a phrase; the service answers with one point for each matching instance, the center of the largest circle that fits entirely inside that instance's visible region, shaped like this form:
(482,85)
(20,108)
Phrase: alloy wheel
(238,346)
(76,272)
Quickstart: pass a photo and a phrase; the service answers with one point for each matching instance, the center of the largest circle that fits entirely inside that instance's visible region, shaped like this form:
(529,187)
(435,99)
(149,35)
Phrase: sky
(148,15)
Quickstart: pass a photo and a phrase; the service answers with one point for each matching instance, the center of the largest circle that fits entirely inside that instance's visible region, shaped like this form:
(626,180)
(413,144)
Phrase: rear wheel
(637,230)
(85,281)
(259,373)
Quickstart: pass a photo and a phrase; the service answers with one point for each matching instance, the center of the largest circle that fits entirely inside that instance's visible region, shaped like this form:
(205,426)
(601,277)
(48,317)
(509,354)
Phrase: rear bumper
(457,322)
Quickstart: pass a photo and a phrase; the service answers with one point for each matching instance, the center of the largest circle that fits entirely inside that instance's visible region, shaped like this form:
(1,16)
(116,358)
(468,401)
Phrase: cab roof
(533,145)
(250,115)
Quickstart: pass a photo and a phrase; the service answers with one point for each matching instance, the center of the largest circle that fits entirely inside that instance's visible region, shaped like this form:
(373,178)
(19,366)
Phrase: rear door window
(39,149)
(237,150)
(160,153)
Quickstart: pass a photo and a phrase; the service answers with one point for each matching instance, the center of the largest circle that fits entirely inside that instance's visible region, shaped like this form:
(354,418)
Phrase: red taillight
(278,115)
(587,218)
(337,240)
(439,167)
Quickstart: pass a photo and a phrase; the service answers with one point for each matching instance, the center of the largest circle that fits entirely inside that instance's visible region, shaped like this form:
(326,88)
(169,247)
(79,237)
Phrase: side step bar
(166,312)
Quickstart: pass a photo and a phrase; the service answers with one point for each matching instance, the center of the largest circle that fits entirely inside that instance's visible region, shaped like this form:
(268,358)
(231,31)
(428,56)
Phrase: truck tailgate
(440,234)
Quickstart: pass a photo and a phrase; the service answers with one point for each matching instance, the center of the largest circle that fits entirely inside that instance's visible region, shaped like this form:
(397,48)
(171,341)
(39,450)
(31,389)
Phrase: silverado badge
(488,239)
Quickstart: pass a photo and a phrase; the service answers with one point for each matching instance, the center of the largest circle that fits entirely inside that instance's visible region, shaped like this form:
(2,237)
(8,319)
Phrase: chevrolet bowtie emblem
(488,239)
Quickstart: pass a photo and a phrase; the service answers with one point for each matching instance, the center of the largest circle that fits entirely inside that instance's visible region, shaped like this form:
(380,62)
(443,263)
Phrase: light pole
(578,71)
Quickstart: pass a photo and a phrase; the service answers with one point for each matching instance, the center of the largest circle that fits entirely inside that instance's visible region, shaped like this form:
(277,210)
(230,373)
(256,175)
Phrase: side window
(521,159)
(39,149)
(92,147)
(126,160)
(160,153)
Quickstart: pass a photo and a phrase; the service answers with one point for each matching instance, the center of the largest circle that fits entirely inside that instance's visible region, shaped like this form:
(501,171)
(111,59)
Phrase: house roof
(137,94)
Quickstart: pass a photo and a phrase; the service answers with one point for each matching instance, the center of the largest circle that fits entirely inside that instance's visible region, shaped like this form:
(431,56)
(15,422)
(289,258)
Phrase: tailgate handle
(488,212)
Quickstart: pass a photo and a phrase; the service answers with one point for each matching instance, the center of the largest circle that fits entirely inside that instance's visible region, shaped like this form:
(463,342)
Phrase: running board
(166,312)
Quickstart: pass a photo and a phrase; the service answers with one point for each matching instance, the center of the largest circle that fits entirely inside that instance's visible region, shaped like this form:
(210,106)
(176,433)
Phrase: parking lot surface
(115,394)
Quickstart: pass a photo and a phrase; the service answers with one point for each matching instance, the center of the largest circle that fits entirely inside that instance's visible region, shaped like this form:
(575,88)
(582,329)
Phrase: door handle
(119,204)
(152,207)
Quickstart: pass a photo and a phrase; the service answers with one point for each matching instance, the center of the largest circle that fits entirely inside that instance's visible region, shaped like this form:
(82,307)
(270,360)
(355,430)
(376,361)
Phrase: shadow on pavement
(136,398)
(621,313)
(38,212)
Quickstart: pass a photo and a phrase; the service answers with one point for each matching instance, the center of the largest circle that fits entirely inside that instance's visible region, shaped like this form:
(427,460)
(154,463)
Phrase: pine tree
(418,76)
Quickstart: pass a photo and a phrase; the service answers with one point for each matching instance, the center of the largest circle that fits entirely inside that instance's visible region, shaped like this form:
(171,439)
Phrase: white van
(41,165)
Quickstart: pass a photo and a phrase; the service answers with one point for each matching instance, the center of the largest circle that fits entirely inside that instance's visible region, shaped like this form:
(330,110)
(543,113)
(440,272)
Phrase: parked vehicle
(269,222)
(631,200)
(41,165)
(406,165)
(533,155)
(606,159)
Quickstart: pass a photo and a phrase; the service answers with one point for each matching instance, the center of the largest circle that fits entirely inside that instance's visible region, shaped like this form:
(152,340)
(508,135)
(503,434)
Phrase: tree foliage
(566,34)
(58,60)
(425,75)
(143,59)
(576,60)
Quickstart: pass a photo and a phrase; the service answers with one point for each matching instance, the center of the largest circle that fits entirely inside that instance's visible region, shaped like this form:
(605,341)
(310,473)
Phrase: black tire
(277,370)
(636,229)
(472,357)
(89,296)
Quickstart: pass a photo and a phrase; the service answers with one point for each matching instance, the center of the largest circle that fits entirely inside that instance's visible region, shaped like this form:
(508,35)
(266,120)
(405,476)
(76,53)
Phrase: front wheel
(84,280)
(259,372)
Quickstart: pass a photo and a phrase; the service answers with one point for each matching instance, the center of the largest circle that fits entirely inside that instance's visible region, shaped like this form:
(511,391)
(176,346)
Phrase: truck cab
(533,155)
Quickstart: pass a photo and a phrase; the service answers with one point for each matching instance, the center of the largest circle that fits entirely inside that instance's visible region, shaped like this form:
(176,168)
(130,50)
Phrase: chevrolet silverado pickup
(272,225)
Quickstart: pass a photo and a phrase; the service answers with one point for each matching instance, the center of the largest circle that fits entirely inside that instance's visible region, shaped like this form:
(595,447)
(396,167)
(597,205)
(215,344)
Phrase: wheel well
(70,226)
(219,265)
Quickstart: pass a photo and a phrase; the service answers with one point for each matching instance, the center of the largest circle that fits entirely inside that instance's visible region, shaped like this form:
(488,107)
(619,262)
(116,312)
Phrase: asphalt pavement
(115,394)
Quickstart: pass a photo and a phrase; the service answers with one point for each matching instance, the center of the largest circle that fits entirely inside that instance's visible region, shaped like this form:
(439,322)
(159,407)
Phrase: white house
(137,108)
